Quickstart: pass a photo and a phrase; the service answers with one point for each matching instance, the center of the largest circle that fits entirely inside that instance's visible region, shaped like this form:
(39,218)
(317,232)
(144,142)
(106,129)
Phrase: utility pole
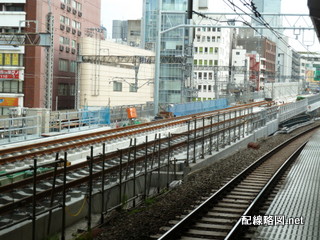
(49,56)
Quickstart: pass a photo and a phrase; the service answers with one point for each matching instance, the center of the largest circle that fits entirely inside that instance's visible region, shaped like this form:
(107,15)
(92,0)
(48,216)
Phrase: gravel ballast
(146,220)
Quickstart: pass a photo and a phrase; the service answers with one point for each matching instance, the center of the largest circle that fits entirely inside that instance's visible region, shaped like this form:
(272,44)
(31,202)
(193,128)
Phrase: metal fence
(71,121)
(19,129)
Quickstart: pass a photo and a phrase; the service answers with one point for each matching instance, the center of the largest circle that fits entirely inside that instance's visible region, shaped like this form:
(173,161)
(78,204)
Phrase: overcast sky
(132,9)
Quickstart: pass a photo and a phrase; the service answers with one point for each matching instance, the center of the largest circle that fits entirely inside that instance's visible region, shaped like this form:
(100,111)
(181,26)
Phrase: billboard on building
(9,74)
(9,102)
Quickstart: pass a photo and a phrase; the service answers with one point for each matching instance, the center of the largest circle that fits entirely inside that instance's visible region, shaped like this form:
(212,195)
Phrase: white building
(12,17)
(212,46)
(240,59)
(112,84)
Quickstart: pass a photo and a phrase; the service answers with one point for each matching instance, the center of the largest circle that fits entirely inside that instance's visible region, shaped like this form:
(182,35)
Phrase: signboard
(317,72)
(9,102)
(9,74)
(7,59)
(15,59)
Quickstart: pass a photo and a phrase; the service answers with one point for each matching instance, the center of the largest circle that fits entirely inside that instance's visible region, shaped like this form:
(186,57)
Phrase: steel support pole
(146,169)
(64,197)
(52,191)
(194,140)
(188,144)
(159,162)
(103,181)
(34,199)
(90,188)
(168,167)
(134,171)
(157,60)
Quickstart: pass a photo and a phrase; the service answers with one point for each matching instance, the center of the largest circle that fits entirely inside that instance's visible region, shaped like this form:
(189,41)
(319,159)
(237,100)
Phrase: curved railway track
(149,155)
(47,147)
(220,216)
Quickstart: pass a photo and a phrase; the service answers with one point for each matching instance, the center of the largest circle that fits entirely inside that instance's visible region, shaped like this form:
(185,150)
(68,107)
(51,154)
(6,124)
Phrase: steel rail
(98,159)
(19,153)
(238,228)
(179,228)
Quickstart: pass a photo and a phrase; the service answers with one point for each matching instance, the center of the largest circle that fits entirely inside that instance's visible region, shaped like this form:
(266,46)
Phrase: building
(268,6)
(114,84)
(174,78)
(296,63)
(211,61)
(262,46)
(239,81)
(134,33)
(70,20)
(120,30)
(12,17)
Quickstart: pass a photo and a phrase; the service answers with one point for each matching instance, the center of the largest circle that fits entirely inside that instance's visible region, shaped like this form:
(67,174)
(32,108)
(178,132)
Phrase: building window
(216,62)
(64,40)
(237,53)
(208,39)
(72,90)
(205,62)
(195,62)
(196,49)
(76,24)
(11,86)
(216,50)
(199,88)
(74,44)
(205,50)
(73,66)
(132,87)
(63,65)
(200,75)
(117,86)
(63,89)
(200,49)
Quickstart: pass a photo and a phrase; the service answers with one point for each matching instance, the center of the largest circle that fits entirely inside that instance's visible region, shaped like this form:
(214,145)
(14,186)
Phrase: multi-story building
(211,51)
(239,81)
(12,17)
(296,63)
(134,33)
(173,83)
(70,20)
(114,83)
(120,30)
(264,47)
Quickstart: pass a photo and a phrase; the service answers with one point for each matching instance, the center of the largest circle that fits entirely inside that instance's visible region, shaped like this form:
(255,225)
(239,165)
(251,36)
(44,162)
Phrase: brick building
(71,19)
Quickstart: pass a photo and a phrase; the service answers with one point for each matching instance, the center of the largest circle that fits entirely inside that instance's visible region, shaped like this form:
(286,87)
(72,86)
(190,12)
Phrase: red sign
(9,74)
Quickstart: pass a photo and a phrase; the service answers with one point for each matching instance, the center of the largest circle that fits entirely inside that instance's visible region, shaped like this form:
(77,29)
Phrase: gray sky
(132,9)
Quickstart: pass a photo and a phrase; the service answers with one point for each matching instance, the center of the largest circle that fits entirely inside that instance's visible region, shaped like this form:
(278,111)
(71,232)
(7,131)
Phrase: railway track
(221,215)
(49,147)
(112,168)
